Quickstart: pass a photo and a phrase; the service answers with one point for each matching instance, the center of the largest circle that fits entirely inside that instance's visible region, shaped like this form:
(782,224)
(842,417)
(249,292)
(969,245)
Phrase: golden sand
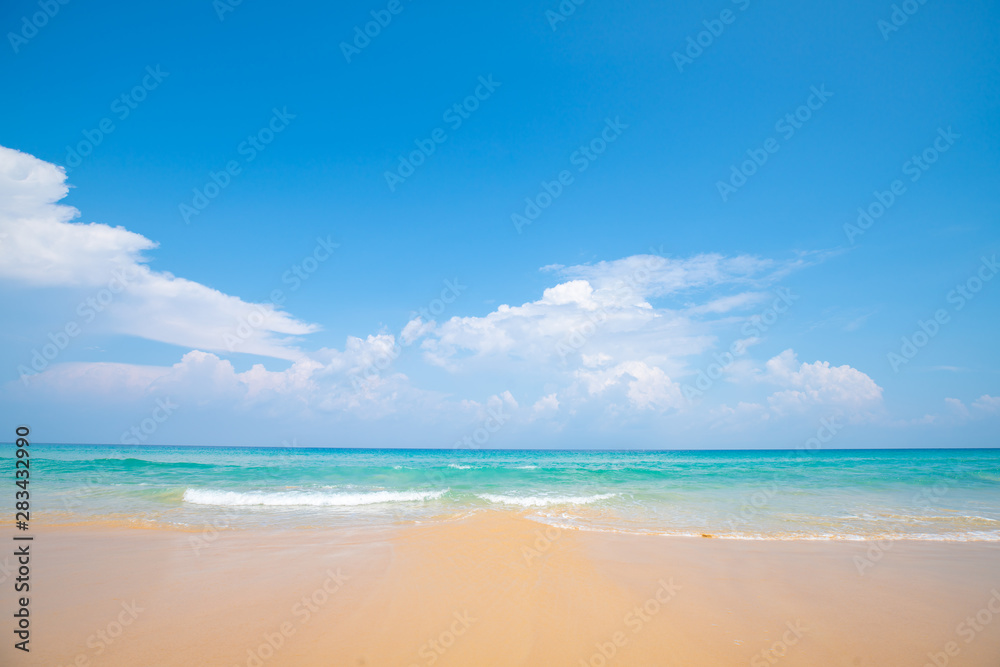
(498,589)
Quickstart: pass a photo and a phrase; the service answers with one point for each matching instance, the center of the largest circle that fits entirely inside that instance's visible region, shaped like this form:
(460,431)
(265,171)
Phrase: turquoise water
(846,494)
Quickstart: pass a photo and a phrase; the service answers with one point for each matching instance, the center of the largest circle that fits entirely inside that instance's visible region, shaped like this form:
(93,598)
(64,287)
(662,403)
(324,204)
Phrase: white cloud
(728,303)
(987,403)
(613,334)
(40,247)
(647,387)
(202,378)
(575,292)
(657,276)
(743,414)
(549,403)
(361,357)
(93,380)
(958,412)
(504,399)
(819,383)
(604,311)
(957,407)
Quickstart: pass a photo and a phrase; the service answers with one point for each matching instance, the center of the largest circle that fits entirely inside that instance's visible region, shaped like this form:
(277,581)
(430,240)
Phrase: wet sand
(498,589)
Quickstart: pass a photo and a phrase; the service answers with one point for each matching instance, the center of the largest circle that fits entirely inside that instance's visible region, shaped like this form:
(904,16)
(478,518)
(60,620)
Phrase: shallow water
(844,494)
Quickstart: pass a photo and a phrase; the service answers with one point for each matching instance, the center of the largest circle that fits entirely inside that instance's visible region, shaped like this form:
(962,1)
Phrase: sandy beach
(513,334)
(496,588)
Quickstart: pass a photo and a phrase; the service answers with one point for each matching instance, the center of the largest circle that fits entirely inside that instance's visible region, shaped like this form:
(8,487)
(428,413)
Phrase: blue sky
(587,327)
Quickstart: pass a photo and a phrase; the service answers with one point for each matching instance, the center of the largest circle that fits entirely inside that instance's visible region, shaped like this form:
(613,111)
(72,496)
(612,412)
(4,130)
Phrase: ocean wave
(782,536)
(129,462)
(543,501)
(305,498)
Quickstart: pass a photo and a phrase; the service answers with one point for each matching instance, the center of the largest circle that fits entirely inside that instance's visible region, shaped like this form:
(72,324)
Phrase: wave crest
(305,498)
(543,501)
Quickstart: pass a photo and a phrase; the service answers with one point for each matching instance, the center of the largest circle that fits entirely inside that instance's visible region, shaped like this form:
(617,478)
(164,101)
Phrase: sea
(916,494)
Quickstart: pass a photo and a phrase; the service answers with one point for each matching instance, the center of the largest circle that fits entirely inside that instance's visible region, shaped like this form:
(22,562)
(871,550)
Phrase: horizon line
(522,449)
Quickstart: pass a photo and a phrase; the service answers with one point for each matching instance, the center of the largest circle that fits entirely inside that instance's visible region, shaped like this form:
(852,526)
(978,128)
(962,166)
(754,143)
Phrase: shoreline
(498,589)
(151,524)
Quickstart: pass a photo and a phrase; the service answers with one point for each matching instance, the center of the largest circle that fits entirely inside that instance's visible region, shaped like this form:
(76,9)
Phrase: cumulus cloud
(744,412)
(613,334)
(605,314)
(819,383)
(654,275)
(987,403)
(307,386)
(548,403)
(957,407)
(646,387)
(604,333)
(607,309)
(957,412)
(104,380)
(41,247)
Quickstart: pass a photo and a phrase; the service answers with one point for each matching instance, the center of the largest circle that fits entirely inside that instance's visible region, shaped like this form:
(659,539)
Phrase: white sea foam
(976,536)
(305,498)
(542,501)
